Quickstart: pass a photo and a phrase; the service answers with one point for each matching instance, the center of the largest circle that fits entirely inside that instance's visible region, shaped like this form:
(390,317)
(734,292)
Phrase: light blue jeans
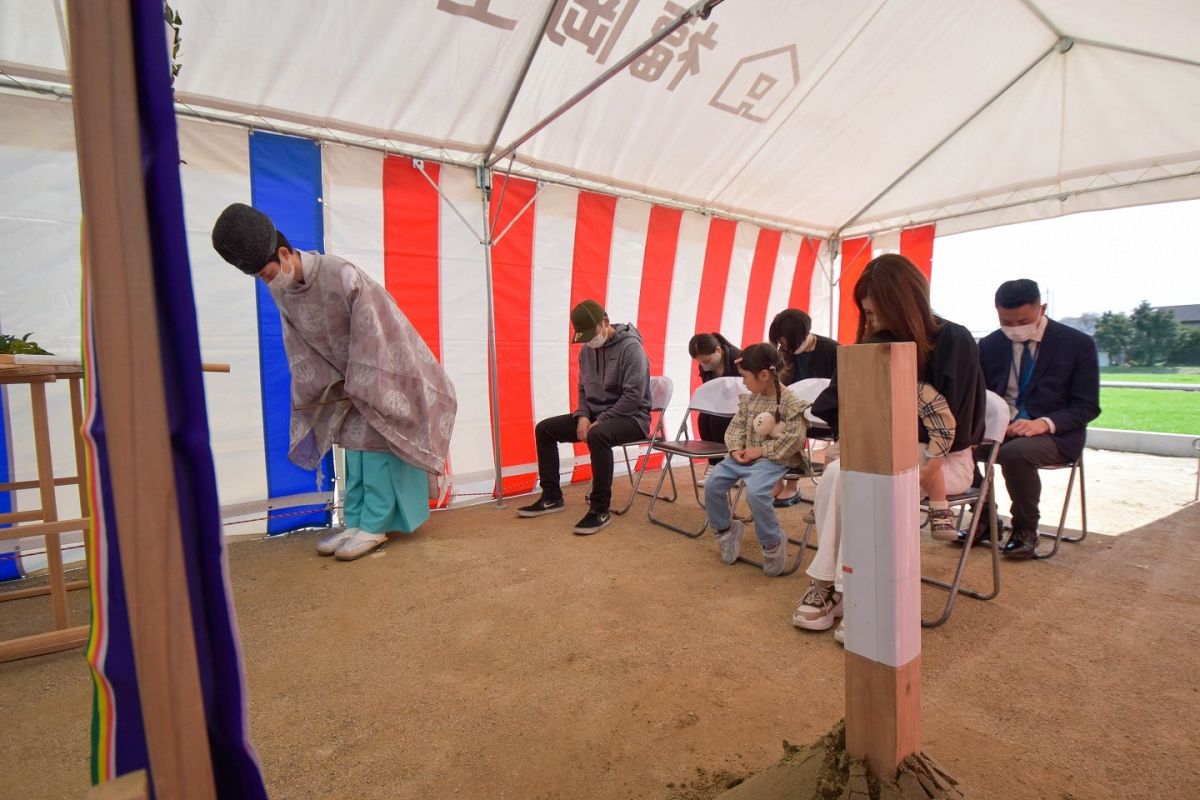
(759,477)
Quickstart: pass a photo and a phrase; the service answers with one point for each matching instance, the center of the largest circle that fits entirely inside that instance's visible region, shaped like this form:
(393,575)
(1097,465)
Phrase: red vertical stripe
(758,293)
(856,253)
(718,251)
(806,261)
(589,279)
(658,268)
(512,271)
(410,245)
(916,244)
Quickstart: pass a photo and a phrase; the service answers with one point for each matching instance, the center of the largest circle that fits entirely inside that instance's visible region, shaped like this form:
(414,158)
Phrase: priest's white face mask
(279,275)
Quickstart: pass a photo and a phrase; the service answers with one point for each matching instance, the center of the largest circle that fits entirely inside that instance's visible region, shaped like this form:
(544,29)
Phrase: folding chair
(661,390)
(807,391)
(1057,536)
(995,426)
(718,397)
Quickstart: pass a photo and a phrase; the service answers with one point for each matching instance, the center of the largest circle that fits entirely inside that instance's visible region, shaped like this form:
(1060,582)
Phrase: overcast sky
(1099,261)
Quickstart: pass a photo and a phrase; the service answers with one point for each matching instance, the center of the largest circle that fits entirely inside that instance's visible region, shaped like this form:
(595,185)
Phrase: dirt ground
(490,657)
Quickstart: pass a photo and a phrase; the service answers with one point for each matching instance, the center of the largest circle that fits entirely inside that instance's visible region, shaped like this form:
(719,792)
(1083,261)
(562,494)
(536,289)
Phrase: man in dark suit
(1050,376)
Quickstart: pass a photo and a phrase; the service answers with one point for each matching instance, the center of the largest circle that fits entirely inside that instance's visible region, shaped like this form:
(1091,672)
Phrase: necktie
(1024,377)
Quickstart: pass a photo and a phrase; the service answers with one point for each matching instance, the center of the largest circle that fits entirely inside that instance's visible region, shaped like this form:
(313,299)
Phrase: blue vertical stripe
(8,560)
(285,184)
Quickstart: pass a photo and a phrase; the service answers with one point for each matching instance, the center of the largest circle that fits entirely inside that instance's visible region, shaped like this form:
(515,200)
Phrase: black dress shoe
(787,502)
(981,538)
(1019,547)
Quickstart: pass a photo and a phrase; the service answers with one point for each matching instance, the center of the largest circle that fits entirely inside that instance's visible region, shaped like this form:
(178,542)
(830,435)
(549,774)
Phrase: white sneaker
(359,545)
(327,545)
(775,561)
(819,608)
(730,542)
(839,633)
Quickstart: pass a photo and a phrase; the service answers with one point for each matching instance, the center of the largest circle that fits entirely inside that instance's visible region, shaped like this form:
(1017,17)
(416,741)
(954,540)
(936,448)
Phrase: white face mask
(713,364)
(283,279)
(597,341)
(1020,333)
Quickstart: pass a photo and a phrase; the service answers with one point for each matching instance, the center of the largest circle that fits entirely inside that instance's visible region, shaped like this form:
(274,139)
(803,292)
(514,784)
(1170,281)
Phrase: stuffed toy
(766,426)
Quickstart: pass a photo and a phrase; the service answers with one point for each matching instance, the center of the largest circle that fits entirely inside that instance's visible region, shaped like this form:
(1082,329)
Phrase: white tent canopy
(834,119)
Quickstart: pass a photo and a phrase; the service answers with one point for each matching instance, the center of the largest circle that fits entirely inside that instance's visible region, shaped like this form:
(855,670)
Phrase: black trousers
(712,429)
(602,437)
(1019,461)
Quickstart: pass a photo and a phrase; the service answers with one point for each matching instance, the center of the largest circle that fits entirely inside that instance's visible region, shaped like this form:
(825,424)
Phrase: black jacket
(953,371)
(820,362)
(1065,385)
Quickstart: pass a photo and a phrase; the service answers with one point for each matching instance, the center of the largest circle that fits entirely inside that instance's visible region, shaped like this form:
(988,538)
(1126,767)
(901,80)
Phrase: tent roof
(841,118)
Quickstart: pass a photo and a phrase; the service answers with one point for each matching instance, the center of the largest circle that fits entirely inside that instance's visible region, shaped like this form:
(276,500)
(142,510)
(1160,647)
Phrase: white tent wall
(214,173)
(40,222)
(39,234)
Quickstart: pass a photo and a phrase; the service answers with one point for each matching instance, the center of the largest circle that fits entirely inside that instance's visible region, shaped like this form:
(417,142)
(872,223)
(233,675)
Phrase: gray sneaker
(731,542)
(775,559)
(943,525)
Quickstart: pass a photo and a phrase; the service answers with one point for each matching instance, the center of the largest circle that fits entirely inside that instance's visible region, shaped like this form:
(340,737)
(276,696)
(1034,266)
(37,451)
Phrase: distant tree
(1187,347)
(1154,335)
(1114,335)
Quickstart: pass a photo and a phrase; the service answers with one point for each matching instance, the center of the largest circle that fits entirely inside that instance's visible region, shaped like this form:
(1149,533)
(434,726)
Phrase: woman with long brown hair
(892,297)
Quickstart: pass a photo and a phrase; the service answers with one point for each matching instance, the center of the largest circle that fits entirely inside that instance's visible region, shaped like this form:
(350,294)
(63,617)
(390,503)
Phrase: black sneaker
(542,506)
(592,522)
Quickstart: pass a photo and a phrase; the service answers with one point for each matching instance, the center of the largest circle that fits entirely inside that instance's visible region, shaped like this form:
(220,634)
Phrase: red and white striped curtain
(671,273)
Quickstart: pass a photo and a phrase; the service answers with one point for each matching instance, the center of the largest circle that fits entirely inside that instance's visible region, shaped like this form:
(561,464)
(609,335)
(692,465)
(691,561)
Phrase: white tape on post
(881,566)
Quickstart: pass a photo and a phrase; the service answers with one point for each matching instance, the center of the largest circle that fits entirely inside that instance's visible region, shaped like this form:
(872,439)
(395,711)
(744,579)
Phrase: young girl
(758,460)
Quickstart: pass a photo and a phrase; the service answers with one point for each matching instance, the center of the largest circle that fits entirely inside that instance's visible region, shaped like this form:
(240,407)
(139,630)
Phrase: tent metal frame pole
(970,118)
(484,180)
(516,88)
(325,136)
(1060,196)
(1133,51)
(700,9)
(835,249)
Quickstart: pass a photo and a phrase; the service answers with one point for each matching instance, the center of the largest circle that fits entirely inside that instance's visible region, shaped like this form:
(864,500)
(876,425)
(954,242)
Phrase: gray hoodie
(614,380)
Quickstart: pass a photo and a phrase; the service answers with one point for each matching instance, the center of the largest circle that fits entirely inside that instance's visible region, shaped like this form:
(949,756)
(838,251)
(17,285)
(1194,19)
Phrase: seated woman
(806,355)
(893,303)
(715,357)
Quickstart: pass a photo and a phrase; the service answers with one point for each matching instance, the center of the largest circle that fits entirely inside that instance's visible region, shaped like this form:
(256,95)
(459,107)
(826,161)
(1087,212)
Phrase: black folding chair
(718,397)
(978,499)
(1057,536)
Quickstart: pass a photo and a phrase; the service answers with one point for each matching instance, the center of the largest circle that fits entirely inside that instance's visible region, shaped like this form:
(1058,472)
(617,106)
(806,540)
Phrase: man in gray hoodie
(613,408)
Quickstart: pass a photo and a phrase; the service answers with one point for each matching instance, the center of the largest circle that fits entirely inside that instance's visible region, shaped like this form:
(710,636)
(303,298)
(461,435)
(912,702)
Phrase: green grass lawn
(1151,374)
(1153,410)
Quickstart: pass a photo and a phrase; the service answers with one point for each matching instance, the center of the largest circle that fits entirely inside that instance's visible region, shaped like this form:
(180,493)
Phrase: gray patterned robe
(362,377)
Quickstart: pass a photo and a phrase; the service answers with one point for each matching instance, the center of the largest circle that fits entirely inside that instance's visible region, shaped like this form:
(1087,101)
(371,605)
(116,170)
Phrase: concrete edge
(1178,445)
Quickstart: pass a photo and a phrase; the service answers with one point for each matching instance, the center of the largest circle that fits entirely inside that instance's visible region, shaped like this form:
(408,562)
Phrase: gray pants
(1019,460)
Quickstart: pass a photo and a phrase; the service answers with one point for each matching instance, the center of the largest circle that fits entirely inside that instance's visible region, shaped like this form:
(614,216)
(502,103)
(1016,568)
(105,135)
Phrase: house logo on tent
(759,84)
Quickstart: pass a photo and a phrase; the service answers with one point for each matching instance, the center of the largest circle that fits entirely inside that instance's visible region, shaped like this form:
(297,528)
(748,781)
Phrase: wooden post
(877,397)
(45,469)
(117,248)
